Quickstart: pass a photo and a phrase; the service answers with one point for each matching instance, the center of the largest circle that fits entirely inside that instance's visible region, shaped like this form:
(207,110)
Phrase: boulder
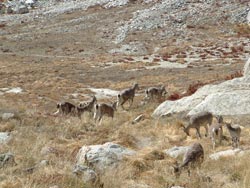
(87,174)
(5,137)
(227,98)
(176,151)
(226,153)
(103,156)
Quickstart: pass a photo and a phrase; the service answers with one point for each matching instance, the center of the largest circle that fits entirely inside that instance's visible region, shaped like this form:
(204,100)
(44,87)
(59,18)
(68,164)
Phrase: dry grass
(64,136)
(242,30)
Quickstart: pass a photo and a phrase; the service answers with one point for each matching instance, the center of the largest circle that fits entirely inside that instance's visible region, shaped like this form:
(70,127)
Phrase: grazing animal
(66,108)
(234,131)
(155,93)
(198,120)
(193,157)
(89,106)
(104,109)
(216,131)
(80,111)
(127,95)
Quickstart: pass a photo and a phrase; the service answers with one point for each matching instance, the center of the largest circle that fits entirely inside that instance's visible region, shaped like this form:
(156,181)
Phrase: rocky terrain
(56,50)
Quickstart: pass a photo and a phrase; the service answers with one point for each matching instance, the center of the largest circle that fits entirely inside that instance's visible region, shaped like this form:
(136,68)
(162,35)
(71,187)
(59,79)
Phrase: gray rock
(103,156)
(176,151)
(21,9)
(5,137)
(227,153)
(227,98)
(43,163)
(6,115)
(87,174)
(7,159)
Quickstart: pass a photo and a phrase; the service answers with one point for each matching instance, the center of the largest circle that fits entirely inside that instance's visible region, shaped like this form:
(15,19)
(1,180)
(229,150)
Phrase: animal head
(58,105)
(228,123)
(82,104)
(114,105)
(176,170)
(219,119)
(163,91)
(94,99)
(136,86)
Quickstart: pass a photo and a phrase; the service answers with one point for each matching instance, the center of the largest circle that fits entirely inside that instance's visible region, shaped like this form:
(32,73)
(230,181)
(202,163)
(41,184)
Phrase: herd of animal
(195,153)
(104,109)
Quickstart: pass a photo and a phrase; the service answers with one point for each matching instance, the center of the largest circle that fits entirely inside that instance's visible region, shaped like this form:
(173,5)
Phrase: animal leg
(198,133)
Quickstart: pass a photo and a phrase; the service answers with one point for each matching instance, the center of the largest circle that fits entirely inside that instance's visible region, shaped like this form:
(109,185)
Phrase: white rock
(102,156)
(228,98)
(7,115)
(15,90)
(4,137)
(226,153)
(176,151)
(138,119)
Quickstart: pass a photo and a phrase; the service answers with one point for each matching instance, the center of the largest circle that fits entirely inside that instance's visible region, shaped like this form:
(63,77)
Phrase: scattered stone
(88,175)
(176,151)
(133,184)
(7,159)
(103,156)
(7,115)
(5,137)
(43,163)
(138,119)
(227,153)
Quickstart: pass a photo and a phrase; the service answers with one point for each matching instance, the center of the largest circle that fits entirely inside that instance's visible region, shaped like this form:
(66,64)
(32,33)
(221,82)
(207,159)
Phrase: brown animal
(216,131)
(155,93)
(66,108)
(235,132)
(198,120)
(127,95)
(104,109)
(192,158)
